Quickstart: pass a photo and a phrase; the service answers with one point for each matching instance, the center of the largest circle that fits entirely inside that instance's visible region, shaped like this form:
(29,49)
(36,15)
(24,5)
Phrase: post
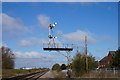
(86,54)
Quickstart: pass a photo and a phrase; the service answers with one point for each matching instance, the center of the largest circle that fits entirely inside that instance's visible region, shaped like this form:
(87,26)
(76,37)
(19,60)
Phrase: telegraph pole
(86,54)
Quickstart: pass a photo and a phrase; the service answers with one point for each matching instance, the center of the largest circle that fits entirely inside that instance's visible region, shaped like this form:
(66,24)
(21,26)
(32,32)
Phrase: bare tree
(7,58)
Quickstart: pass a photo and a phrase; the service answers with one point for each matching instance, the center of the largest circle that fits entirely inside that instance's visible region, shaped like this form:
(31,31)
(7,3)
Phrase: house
(106,60)
(102,62)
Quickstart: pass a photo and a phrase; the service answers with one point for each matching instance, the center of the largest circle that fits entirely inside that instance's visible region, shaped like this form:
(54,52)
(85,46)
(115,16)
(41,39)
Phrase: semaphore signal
(52,45)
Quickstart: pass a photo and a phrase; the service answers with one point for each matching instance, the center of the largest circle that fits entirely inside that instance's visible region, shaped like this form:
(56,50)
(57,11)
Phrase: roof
(103,60)
(112,52)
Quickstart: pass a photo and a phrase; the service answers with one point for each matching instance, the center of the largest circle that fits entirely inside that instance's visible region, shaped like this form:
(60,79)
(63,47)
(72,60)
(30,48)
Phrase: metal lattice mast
(58,49)
(50,36)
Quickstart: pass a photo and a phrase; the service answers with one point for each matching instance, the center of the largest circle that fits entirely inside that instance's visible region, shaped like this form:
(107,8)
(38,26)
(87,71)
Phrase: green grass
(15,72)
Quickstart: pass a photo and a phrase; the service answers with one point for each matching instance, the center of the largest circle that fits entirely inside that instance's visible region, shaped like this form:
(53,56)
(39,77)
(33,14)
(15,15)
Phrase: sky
(59,0)
(25,29)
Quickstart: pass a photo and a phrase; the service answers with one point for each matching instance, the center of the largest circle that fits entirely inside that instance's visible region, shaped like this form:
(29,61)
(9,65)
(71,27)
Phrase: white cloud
(45,43)
(108,39)
(59,32)
(98,58)
(99,49)
(31,42)
(25,43)
(60,0)
(0,18)
(3,44)
(0,44)
(79,36)
(33,63)
(56,43)
(34,59)
(38,62)
(12,26)
(38,41)
(44,20)
(32,54)
(41,41)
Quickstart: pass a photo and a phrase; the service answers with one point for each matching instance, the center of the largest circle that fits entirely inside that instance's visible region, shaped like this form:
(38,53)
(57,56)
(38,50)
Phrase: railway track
(31,76)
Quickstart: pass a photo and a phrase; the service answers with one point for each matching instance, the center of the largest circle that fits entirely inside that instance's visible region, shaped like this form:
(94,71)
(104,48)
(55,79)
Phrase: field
(16,72)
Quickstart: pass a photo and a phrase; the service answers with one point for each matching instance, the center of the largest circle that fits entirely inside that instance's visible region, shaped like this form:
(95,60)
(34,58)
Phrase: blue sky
(24,27)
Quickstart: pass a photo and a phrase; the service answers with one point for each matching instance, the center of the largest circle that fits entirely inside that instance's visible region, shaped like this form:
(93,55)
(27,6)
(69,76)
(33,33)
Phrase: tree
(79,64)
(63,67)
(56,67)
(92,63)
(118,48)
(7,58)
(116,59)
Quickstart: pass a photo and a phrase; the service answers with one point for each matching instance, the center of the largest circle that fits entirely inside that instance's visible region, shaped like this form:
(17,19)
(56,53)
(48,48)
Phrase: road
(49,74)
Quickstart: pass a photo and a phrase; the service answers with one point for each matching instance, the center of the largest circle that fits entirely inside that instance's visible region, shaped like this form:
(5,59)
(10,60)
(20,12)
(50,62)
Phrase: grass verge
(6,73)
